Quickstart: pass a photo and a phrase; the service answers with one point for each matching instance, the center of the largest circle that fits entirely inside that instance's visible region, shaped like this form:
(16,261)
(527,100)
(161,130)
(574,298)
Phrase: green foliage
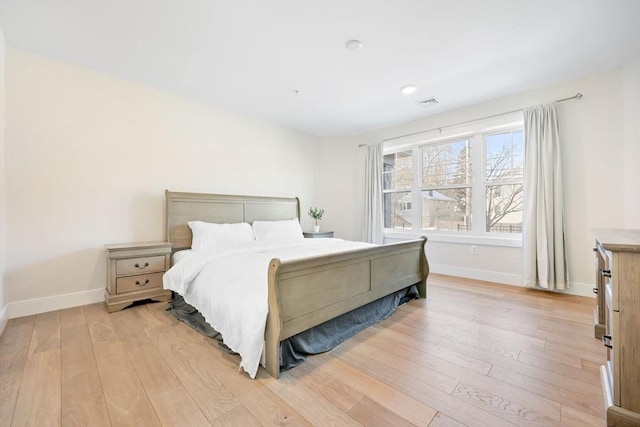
(316,213)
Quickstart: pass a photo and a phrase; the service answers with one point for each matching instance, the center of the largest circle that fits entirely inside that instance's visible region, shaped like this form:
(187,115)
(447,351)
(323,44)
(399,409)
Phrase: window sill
(469,239)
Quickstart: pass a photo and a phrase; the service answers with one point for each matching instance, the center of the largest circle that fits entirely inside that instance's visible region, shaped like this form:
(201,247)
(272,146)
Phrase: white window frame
(476,132)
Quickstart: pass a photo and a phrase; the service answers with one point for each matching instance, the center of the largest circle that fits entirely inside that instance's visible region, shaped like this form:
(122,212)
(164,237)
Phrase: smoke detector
(353,45)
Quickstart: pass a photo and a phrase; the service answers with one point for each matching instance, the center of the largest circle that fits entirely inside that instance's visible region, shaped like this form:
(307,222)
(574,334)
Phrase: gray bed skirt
(318,339)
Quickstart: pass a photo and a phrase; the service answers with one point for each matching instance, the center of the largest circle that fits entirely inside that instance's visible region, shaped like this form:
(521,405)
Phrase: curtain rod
(570,98)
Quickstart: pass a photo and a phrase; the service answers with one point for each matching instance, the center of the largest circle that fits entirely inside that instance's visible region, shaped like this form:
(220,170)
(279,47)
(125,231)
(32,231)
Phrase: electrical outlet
(474,250)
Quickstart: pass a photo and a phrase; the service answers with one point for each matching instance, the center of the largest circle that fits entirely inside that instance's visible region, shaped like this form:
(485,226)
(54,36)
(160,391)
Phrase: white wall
(89,158)
(631,151)
(4,313)
(600,157)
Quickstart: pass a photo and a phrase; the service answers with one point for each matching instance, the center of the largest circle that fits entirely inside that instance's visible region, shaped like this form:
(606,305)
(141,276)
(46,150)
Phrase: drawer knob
(595,290)
(606,340)
(146,282)
(606,273)
(146,264)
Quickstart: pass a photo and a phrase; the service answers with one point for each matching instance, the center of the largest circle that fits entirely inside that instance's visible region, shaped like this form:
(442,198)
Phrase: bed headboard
(221,208)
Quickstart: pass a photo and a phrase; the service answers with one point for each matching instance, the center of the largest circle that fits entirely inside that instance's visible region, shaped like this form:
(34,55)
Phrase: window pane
(398,170)
(447,209)
(505,156)
(504,208)
(397,210)
(446,163)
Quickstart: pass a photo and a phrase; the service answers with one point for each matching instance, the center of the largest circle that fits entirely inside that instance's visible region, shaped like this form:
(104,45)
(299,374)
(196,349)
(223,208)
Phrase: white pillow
(208,235)
(277,230)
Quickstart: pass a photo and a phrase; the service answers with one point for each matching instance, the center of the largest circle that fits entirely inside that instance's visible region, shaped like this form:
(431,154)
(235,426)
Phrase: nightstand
(312,235)
(134,273)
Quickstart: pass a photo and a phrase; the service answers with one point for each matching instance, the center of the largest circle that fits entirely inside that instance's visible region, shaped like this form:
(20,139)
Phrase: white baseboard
(576,288)
(4,318)
(55,302)
(472,273)
(580,288)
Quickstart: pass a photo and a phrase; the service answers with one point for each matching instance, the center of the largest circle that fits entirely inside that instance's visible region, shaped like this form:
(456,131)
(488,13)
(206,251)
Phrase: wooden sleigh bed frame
(305,292)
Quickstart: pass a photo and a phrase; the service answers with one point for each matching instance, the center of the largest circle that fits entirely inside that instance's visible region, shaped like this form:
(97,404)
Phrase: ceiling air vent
(428,102)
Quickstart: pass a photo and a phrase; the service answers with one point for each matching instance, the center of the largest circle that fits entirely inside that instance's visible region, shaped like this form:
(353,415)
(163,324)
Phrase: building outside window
(397,187)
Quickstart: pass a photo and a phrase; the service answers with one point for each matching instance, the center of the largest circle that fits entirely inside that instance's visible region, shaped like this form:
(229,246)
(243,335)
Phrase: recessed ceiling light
(353,45)
(409,89)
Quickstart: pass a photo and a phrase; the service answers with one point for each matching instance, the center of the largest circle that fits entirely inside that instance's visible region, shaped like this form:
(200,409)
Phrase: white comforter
(228,286)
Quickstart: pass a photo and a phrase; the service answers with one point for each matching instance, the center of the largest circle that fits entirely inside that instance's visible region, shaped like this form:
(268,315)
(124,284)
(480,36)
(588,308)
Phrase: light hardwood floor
(472,353)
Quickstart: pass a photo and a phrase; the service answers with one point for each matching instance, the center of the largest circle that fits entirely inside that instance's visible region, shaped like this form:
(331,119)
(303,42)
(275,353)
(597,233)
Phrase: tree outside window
(504,173)
(446,186)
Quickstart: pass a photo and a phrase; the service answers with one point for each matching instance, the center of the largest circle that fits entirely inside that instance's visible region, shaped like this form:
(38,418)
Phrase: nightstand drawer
(134,273)
(135,283)
(140,265)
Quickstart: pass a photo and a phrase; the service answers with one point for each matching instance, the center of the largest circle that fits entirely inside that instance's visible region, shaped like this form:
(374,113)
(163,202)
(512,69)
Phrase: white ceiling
(286,61)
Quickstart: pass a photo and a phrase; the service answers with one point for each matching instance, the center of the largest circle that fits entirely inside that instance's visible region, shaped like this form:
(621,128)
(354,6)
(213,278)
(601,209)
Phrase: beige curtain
(545,260)
(373,210)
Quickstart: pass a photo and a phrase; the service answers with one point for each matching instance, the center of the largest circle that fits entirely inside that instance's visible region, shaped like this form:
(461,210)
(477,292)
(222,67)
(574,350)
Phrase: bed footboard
(307,292)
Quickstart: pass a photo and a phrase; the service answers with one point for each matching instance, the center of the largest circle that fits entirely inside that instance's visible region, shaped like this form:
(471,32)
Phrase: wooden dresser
(617,321)
(134,273)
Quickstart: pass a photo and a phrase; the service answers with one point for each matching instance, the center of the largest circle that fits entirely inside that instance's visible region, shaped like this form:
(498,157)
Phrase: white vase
(316,228)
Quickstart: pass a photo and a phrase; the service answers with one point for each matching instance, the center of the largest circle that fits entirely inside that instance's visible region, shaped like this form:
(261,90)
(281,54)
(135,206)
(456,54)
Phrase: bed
(306,292)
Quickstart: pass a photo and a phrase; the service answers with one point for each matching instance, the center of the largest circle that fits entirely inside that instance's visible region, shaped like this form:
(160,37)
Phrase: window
(471,184)
(446,185)
(397,183)
(504,173)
